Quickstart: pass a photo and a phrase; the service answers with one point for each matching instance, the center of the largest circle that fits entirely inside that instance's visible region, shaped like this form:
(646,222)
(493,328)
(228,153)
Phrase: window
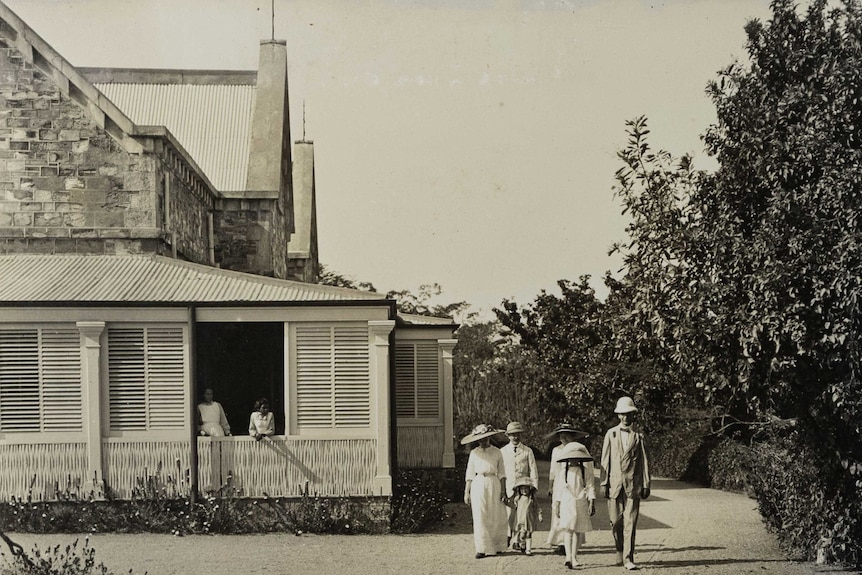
(146,378)
(40,379)
(332,376)
(417,387)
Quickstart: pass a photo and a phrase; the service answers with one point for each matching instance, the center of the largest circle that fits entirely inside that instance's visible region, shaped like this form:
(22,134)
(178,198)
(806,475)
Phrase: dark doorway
(242,362)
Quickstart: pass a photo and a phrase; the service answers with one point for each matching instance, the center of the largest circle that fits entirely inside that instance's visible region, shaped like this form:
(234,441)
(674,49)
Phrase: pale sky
(470,143)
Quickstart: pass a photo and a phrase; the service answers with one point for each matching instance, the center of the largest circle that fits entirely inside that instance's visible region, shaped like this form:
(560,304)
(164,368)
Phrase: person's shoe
(619,557)
(561,550)
(576,563)
(631,566)
(479,555)
(527,552)
(569,565)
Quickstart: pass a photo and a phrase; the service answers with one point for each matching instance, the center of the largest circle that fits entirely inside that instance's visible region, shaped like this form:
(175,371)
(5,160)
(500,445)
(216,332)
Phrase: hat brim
(620,411)
(576,432)
(576,459)
(471,438)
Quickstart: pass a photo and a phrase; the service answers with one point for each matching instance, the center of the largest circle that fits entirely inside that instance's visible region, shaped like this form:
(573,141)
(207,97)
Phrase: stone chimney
(269,165)
(253,226)
(302,258)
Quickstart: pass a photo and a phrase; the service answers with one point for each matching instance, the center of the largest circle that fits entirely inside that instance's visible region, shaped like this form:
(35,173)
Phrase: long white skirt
(489,515)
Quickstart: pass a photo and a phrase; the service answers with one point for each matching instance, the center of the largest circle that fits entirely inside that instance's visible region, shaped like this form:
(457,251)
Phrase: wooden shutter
(417,387)
(127,382)
(19,380)
(314,401)
(352,389)
(40,379)
(427,380)
(146,378)
(165,381)
(405,380)
(332,376)
(60,355)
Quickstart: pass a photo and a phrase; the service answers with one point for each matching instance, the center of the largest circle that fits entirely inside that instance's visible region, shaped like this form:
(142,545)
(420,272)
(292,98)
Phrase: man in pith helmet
(625,479)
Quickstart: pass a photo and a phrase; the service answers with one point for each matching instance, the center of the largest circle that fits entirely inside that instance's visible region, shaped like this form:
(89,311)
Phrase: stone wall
(250,236)
(66,186)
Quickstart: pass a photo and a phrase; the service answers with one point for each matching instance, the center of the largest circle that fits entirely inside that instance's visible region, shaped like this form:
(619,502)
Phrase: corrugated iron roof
(148,279)
(211,121)
(425,320)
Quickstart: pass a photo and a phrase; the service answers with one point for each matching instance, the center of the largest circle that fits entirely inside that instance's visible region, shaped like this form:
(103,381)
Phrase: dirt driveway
(683,529)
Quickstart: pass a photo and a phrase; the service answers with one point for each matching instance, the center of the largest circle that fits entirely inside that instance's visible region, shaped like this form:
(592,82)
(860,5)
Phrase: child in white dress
(577,498)
(526,515)
(565,433)
(261,424)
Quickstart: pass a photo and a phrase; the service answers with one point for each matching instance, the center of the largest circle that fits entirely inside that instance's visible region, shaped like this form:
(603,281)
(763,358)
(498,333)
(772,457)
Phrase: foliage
(156,508)
(585,353)
(496,382)
(329,277)
(418,500)
(57,560)
(420,303)
(804,498)
(746,282)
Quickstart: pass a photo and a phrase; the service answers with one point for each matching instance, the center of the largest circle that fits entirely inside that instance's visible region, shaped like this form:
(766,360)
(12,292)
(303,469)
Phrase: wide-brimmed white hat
(514,427)
(574,452)
(625,404)
(480,431)
(567,428)
(523,481)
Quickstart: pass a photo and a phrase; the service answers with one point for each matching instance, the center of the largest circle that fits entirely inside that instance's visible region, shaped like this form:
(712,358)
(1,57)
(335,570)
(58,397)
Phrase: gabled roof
(52,278)
(73,85)
(208,111)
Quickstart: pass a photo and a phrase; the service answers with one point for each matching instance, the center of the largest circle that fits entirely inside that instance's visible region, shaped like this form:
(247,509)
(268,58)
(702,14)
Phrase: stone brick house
(157,236)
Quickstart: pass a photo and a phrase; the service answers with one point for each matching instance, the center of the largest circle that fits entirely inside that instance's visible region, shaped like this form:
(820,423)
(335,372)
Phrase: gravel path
(683,529)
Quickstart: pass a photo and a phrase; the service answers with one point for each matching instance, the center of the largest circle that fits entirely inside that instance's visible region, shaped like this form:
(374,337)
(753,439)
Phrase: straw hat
(480,431)
(574,452)
(514,427)
(522,481)
(567,428)
(625,404)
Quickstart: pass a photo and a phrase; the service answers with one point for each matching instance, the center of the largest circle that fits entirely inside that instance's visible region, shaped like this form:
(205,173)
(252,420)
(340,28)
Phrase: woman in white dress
(213,421)
(485,491)
(565,433)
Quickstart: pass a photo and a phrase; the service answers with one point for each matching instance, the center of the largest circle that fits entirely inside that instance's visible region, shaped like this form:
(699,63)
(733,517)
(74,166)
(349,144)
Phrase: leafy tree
(750,277)
(329,277)
(495,382)
(420,303)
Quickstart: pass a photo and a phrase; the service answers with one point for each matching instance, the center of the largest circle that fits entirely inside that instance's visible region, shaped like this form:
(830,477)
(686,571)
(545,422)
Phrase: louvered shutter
(427,381)
(62,408)
(405,380)
(352,389)
(417,387)
(127,382)
(146,378)
(40,380)
(332,376)
(314,401)
(19,380)
(165,390)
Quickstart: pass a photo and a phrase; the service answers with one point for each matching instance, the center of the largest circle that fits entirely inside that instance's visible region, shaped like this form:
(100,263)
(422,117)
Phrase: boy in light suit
(626,479)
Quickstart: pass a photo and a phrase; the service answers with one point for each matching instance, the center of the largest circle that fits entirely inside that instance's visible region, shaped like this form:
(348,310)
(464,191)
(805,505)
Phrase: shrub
(811,503)
(56,560)
(418,499)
